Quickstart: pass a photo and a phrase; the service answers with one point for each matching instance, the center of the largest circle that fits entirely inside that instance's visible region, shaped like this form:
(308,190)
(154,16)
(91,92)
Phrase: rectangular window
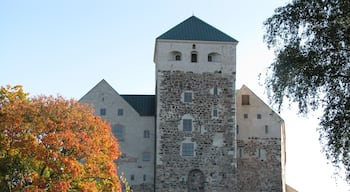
(146,134)
(188,97)
(210,58)
(240,152)
(245,99)
(144,177)
(215,91)
(258,116)
(266,129)
(118,132)
(215,113)
(194,57)
(103,111)
(120,112)
(187,124)
(132,177)
(237,129)
(146,156)
(245,116)
(188,149)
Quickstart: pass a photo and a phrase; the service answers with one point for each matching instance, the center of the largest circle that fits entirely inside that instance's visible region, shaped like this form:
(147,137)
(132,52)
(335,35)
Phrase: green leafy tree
(54,144)
(311,40)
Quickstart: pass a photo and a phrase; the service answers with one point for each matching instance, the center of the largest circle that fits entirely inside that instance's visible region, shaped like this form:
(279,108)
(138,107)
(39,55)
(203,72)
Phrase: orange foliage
(49,143)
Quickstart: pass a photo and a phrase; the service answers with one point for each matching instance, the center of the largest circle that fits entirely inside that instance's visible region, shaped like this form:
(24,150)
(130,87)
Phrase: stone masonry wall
(214,165)
(259,173)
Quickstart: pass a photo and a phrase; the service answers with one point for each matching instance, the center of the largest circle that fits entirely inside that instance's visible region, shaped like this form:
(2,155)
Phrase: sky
(66,47)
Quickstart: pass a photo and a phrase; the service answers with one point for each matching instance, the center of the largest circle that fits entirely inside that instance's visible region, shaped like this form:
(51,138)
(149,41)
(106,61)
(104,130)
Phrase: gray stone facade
(214,137)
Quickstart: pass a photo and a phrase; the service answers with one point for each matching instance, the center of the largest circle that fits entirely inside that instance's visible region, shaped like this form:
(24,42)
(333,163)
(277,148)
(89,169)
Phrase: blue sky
(67,46)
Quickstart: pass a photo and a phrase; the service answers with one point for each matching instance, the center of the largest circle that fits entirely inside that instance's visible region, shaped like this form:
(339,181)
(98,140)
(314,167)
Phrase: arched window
(214,57)
(175,56)
(194,57)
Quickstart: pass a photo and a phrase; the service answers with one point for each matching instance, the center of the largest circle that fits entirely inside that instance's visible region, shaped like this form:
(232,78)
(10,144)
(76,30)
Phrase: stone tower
(195,118)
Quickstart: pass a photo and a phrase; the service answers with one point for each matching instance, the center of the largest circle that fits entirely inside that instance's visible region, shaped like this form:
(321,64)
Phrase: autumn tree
(53,144)
(311,39)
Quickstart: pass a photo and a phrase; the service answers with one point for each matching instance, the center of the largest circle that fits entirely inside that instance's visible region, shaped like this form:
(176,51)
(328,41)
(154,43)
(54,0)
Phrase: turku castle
(198,132)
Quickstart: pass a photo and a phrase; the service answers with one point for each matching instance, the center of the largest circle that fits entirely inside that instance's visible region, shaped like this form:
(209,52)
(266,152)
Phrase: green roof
(196,29)
(145,105)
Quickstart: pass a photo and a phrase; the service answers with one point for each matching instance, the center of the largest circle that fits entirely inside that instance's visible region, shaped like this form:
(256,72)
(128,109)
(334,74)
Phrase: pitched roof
(195,29)
(145,105)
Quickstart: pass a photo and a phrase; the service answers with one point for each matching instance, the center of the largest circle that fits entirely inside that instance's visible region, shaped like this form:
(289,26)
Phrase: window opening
(215,91)
(146,156)
(177,57)
(187,124)
(193,46)
(120,112)
(245,116)
(210,58)
(258,116)
(266,129)
(215,113)
(194,57)
(118,132)
(146,134)
(103,111)
(188,149)
(245,99)
(188,97)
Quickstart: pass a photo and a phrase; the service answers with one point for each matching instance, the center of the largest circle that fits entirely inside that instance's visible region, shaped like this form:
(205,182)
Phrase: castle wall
(213,136)
(260,147)
(138,171)
(212,166)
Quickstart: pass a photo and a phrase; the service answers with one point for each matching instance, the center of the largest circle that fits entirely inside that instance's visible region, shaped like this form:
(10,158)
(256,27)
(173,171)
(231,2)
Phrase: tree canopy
(312,67)
(52,144)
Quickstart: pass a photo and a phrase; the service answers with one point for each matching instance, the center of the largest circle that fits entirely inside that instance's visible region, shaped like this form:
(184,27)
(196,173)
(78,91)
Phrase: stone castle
(198,132)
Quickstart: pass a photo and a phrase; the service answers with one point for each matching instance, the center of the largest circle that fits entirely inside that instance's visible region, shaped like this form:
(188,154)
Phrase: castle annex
(198,132)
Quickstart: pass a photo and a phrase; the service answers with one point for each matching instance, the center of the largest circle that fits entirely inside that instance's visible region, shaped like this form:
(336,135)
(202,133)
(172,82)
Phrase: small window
(120,112)
(193,46)
(144,177)
(146,156)
(177,57)
(258,116)
(188,97)
(266,129)
(245,99)
(259,153)
(146,134)
(210,58)
(237,129)
(132,177)
(194,57)
(103,111)
(215,90)
(240,152)
(118,131)
(187,124)
(215,113)
(187,149)
(245,116)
